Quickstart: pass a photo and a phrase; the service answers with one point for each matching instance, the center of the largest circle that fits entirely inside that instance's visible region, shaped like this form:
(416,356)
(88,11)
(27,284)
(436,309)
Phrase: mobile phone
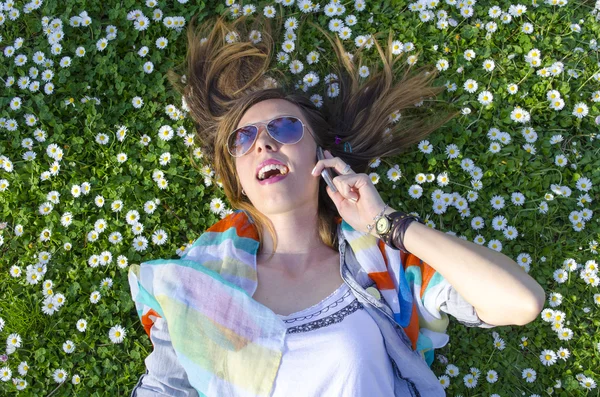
(326,174)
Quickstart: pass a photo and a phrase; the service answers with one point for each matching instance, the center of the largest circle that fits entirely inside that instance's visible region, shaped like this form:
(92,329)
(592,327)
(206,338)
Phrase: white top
(334,348)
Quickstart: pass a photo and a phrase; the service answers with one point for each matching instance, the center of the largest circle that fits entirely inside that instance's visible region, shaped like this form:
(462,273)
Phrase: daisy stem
(57,387)
(527,74)
(460,184)
(581,86)
(491,355)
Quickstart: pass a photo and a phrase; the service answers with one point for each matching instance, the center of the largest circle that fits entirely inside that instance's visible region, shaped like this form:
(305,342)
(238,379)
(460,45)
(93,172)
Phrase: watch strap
(399,223)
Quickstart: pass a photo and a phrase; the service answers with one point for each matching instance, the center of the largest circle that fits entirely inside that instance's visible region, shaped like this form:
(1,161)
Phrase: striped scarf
(218,331)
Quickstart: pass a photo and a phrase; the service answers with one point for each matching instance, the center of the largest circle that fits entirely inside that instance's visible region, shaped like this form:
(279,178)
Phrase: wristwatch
(386,224)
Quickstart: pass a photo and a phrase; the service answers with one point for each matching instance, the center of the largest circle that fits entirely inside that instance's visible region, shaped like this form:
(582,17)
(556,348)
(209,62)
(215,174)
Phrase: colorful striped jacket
(222,342)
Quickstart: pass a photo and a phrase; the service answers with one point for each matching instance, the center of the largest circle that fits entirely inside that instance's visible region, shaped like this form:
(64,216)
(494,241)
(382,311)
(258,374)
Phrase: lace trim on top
(298,314)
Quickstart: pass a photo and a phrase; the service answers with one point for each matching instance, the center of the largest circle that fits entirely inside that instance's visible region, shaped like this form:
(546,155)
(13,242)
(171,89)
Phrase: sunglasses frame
(265,123)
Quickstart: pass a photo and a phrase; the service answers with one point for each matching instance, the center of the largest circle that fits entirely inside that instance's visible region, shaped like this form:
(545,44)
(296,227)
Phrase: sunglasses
(286,130)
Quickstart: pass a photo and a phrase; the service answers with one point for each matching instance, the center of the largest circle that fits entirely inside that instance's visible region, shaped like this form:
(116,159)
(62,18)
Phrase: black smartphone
(326,174)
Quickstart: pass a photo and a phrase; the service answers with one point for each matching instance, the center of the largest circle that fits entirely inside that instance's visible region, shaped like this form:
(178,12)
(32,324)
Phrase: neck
(299,245)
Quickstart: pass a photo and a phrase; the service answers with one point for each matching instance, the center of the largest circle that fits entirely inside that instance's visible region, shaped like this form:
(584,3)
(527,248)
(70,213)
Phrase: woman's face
(299,186)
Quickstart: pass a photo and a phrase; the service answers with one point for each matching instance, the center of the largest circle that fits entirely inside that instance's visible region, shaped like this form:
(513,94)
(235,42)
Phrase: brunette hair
(221,79)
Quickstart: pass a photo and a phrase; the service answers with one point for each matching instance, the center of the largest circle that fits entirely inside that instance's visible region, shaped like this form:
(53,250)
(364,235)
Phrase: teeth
(282,168)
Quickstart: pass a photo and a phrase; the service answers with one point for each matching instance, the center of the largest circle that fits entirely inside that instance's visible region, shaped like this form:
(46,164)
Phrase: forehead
(268,109)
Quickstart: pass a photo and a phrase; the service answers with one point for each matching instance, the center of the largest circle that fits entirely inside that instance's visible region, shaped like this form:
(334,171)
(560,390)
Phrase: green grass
(115,76)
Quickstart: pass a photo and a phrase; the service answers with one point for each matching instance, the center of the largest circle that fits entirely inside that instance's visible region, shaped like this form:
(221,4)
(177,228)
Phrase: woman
(353,295)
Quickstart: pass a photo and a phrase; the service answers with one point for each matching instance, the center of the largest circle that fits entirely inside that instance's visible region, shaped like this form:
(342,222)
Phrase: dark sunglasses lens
(241,140)
(286,129)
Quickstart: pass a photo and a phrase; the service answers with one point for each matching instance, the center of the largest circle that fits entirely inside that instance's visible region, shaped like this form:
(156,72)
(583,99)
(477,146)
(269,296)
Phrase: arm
(499,290)
(164,376)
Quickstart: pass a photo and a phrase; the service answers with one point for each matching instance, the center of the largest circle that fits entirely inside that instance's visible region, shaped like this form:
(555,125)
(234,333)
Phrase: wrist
(387,211)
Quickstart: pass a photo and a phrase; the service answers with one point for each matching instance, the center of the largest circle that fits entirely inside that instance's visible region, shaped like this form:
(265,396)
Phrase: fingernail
(313,171)
(353,199)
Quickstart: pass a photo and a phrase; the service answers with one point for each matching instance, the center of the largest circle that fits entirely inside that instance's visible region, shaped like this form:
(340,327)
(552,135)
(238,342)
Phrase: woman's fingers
(331,162)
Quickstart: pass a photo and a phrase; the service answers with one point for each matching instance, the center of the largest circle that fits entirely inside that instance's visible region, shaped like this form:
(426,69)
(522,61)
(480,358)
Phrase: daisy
(425,147)
(23,368)
(563,353)
(442,65)
(560,276)
(470,381)
(470,86)
(485,97)
(557,104)
(489,65)
(517,198)
(442,179)
(137,102)
(560,160)
(499,344)
(452,151)
(565,334)
(162,42)
(5,374)
(394,174)
(159,237)
(415,191)
(148,67)
(117,334)
(101,44)
(497,202)
(580,110)
(60,375)
(95,297)
(374,177)
(511,232)
(529,375)
(519,115)
(548,357)
(68,347)
(554,299)
(588,383)
(141,23)
(81,325)
(584,184)
(14,340)
(140,243)
(452,370)
(512,89)
(492,376)
(444,381)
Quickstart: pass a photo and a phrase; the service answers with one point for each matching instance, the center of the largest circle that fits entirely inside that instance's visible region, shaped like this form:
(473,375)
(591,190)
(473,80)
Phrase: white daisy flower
(117,334)
(60,375)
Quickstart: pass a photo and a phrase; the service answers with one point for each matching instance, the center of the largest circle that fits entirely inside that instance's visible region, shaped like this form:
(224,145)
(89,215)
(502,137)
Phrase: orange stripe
(427,271)
(381,244)
(147,322)
(241,223)
(383,280)
(412,330)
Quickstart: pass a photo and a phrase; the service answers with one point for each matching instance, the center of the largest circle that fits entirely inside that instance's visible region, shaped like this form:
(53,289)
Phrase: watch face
(382,224)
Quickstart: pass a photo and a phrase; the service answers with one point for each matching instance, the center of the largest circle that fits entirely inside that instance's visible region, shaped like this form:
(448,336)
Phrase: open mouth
(272,175)
(272,171)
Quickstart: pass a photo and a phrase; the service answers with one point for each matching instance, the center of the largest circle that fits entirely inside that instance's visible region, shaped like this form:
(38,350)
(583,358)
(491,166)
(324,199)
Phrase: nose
(264,139)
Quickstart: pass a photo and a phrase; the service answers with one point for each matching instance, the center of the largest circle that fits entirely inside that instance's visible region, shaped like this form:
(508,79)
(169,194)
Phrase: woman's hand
(368,204)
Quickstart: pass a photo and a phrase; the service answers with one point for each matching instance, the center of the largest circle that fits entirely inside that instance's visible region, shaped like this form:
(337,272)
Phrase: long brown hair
(223,80)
